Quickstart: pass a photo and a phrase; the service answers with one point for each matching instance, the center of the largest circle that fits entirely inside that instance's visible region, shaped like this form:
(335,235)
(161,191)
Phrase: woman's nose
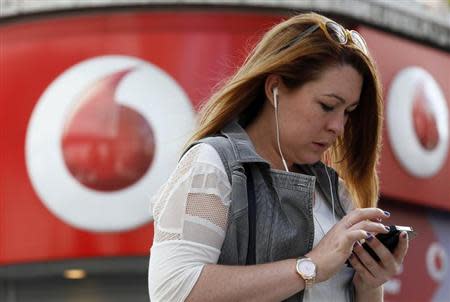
(337,123)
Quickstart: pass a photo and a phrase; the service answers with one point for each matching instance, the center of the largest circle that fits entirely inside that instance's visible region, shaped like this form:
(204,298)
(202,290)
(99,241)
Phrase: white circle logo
(103,138)
(437,262)
(417,122)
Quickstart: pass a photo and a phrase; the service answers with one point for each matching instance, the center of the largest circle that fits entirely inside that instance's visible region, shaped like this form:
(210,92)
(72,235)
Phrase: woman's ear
(271,88)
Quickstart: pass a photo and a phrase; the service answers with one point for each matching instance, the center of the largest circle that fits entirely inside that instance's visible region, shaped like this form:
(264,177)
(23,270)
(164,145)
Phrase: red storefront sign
(61,199)
(394,56)
(415,162)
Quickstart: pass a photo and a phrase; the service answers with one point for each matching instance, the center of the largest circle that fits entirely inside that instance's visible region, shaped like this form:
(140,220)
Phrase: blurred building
(97,98)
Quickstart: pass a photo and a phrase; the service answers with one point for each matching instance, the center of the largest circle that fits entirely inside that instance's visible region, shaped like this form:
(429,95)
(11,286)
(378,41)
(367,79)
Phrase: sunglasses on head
(336,33)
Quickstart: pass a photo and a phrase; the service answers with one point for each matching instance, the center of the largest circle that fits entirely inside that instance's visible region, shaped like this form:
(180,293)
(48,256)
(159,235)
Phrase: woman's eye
(326,108)
(347,112)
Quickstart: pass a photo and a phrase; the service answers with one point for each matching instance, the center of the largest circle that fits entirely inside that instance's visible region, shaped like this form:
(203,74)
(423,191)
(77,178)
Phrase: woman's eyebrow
(340,99)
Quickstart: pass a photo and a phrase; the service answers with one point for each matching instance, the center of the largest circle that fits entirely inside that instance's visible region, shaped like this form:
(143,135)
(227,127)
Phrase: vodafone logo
(103,138)
(106,145)
(417,122)
(437,262)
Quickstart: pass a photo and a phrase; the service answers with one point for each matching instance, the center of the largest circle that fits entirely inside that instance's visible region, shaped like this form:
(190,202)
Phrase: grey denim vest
(284,217)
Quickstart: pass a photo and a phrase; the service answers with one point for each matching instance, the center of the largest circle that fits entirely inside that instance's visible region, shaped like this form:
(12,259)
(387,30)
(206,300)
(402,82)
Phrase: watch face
(307,268)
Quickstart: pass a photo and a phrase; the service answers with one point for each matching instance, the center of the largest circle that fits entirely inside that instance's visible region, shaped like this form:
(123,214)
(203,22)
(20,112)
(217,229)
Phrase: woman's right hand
(336,246)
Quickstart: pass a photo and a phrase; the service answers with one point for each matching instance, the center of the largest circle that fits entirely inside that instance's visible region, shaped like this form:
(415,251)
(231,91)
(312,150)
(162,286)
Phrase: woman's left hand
(371,274)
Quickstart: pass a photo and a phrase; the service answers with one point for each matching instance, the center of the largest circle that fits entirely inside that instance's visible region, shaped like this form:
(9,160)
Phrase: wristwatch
(306,268)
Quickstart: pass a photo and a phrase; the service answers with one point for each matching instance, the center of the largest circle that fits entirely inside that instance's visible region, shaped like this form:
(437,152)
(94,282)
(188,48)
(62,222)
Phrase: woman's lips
(320,145)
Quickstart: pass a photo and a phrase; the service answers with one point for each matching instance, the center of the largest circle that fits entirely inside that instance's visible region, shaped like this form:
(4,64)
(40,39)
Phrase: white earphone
(275,96)
(275,103)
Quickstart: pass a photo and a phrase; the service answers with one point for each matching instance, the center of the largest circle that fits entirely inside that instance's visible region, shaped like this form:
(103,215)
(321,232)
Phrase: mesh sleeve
(190,217)
(194,203)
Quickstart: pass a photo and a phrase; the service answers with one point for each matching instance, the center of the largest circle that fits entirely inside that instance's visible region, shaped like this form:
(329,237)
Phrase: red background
(392,55)
(196,49)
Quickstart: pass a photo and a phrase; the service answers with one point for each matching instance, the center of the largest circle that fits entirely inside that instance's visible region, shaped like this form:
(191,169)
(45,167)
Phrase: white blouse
(190,217)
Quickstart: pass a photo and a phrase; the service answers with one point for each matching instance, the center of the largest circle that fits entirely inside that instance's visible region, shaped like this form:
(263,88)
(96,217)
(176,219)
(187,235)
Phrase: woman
(254,187)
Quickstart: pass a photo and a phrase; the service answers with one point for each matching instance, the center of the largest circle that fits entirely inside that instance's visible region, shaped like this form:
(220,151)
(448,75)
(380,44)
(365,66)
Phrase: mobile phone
(390,240)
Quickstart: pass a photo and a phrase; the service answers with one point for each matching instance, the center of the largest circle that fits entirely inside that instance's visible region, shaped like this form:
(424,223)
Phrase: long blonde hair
(355,155)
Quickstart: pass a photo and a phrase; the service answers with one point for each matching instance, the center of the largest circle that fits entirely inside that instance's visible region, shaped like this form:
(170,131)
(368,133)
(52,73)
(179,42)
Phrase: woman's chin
(309,160)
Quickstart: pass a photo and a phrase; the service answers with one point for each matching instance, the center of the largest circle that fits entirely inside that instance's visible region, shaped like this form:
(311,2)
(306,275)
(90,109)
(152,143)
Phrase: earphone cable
(275,97)
(331,192)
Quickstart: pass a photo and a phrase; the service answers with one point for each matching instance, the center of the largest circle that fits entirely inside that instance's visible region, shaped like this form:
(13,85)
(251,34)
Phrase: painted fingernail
(369,237)
(387,228)
(386,213)
(404,235)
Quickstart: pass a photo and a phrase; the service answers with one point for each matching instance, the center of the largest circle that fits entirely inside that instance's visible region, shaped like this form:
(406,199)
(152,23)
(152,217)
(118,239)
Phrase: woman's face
(313,116)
